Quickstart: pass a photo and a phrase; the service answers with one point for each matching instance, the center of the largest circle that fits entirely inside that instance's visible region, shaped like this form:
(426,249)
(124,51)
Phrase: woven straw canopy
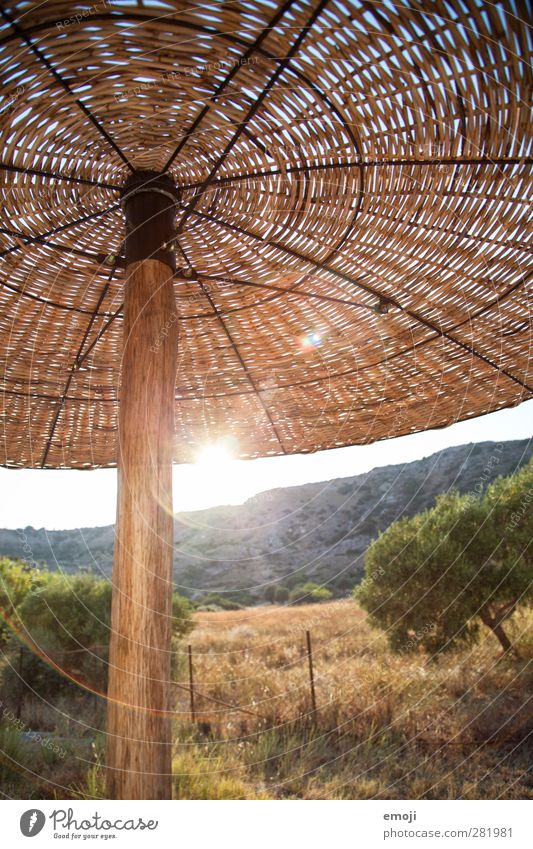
(352,197)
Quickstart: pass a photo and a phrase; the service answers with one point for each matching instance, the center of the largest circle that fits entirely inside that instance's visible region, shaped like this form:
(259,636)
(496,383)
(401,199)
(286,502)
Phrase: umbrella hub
(149,202)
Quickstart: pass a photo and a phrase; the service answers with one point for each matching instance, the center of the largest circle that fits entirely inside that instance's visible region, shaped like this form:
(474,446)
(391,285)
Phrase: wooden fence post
(191,685)
(311,675)
(21,685)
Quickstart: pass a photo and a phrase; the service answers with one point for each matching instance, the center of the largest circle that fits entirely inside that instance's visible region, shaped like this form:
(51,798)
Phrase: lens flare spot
(218,455)
(310,340)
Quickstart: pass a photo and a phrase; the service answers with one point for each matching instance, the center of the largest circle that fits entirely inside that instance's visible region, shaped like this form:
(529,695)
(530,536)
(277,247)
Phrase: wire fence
(194,692)
(99,653)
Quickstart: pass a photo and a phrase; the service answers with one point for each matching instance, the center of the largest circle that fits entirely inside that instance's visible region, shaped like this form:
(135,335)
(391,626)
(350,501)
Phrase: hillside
(320,530)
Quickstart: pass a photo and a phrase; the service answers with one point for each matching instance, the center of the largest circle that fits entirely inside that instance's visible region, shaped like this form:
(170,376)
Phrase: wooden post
(311,674)
(139,752)
(191,685)
(21,685)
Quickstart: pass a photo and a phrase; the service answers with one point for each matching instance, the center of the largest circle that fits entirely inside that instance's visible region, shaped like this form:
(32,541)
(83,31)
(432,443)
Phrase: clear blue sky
(71,499)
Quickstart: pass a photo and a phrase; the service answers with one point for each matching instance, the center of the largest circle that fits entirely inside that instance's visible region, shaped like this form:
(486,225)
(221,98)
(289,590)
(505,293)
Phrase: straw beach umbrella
(292,226)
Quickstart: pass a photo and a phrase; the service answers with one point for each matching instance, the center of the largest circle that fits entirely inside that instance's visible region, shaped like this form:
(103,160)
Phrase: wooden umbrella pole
(138,723)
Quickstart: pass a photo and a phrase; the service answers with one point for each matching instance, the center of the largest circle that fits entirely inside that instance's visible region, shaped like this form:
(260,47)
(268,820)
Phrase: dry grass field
(386,726)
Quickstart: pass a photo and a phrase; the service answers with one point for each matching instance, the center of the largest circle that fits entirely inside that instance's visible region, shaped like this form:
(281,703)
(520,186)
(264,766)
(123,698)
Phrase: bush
(66,621)
(269,593)
(214,601)
(308,593)
(281,595)
(17,579)
(432,579)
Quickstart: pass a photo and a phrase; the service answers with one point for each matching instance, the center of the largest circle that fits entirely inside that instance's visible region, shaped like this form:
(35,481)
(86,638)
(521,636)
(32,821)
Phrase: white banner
(268,824)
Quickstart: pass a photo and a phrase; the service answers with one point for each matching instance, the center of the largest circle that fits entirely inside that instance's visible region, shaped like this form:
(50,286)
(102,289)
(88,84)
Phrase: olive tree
(432,579)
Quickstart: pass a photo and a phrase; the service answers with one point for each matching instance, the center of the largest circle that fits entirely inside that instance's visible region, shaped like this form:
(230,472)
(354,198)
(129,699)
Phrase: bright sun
(215,457)
(217,476)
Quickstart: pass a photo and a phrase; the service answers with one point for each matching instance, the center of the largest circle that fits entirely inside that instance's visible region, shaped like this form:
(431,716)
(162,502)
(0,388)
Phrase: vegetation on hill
(316,532)
(433,578)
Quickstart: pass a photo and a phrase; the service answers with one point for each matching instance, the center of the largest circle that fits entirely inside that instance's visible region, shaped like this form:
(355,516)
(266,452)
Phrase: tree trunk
(495,625)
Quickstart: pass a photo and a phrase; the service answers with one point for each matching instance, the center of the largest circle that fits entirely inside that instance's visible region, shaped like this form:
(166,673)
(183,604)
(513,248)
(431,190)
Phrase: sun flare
(217,475)
(216,456)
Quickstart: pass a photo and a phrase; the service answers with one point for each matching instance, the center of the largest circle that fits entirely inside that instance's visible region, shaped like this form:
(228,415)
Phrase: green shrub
(17,579)
(432,579)
(308,593)
(65,619)
(215,601)
(281,595)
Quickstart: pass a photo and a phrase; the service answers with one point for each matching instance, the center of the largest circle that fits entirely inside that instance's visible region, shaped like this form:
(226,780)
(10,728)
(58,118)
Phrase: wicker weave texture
(352,241)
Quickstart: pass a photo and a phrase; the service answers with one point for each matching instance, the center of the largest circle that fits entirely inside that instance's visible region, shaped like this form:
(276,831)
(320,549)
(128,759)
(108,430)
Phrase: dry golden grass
(386,726)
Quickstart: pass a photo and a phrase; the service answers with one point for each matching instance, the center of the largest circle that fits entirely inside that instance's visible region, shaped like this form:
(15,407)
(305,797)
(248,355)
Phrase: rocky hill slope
(318,530)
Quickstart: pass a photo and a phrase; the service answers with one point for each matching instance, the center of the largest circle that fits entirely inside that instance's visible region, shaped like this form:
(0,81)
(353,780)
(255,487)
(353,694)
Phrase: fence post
(191,685)
(20,698)
(311,675)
